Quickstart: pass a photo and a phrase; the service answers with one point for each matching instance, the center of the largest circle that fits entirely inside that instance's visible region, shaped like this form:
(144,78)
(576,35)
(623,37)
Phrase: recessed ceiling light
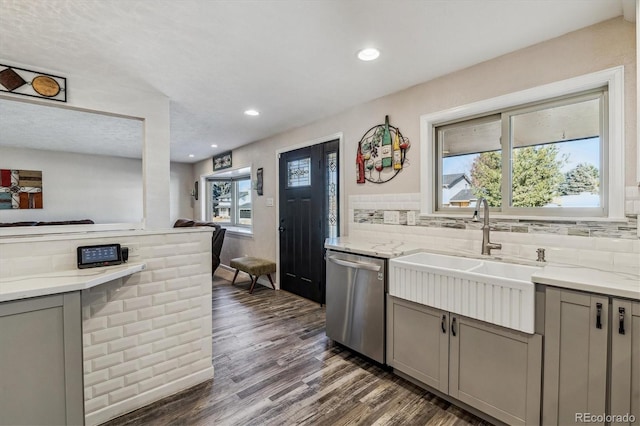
(368,54)
(251,112)
(213,145)
(191,155)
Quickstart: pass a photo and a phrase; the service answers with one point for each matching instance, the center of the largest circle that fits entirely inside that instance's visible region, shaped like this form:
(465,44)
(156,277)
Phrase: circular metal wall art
(381,153)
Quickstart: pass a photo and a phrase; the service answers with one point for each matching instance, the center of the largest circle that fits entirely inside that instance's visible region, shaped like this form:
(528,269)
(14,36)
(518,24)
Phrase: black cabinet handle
(599,315)
(444,328)
(453,326)
(621,317)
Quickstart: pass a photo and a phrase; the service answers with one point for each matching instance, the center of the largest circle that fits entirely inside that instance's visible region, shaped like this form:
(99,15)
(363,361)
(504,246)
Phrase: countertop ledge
(23,287)
(572,277)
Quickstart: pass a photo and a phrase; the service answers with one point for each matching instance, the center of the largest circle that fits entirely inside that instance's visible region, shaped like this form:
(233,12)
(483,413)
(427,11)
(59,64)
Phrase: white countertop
(387,250)
(619,284)
(63,281)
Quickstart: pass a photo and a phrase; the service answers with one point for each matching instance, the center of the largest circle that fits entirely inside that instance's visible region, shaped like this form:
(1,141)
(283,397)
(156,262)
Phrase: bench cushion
(253,265)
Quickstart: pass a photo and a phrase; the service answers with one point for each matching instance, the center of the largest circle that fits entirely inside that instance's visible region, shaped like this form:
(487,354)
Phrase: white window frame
(612,78)
(232,176)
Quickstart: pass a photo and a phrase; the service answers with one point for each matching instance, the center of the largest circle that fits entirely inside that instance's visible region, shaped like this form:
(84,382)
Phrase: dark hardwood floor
(274,365)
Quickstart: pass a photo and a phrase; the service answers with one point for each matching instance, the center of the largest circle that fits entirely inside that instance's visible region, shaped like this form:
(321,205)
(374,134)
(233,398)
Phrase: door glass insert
(332,194)
(299,172)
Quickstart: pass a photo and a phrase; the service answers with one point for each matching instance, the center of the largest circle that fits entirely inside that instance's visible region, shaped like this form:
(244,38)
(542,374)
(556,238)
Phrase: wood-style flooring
(274,365)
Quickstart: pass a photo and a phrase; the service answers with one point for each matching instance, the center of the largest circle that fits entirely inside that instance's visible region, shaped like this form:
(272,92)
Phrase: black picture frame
(259,181)
(222,161)
(195,190)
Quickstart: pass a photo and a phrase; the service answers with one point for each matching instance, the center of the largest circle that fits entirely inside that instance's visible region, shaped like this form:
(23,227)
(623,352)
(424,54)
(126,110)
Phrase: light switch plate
(411,218)
(392,217)
(269,202)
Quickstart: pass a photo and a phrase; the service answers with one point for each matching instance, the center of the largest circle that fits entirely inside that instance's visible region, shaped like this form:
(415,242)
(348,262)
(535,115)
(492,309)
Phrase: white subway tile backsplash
(107,386)
(151,336)
(137,303)
(122,344)
(166,297)
(106,335)
(138,352)
(137,327)
(95,351)
(123,369)
(138,376)
(106,361)
(152,312)
(151,360)
(122,394)
(96,404)
(177,284)
(152,383)
(122,318)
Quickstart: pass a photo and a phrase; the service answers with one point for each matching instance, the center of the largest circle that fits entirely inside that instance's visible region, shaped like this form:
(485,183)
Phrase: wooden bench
(255,267)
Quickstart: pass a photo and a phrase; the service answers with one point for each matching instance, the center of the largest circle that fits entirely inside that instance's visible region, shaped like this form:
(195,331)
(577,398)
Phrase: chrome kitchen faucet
(487,245)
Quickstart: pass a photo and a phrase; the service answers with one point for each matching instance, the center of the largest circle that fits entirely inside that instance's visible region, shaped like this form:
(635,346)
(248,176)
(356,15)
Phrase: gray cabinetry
(41,361)
(625,360)
(496,370)
(418,340)
(591,359)
(575,358)
(490,368)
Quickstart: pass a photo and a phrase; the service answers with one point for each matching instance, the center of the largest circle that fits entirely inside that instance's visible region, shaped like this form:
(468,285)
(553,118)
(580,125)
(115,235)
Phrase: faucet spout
(487,245)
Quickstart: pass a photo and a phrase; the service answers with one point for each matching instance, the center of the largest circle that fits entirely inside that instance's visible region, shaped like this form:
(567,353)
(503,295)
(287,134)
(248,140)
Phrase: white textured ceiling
(293,60)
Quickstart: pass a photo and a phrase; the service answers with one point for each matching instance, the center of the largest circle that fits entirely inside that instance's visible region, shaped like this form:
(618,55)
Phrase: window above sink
(552,151)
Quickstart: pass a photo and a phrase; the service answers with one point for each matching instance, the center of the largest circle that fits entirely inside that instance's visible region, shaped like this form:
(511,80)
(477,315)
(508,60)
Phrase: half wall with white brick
(145,336)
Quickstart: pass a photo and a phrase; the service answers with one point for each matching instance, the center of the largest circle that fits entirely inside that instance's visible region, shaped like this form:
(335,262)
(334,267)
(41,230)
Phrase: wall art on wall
(31,83)
(382,153)
(259,181)
(222,161)
(20,189)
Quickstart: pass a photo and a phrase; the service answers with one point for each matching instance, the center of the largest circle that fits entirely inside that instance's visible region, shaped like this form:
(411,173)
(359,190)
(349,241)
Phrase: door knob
(281,228)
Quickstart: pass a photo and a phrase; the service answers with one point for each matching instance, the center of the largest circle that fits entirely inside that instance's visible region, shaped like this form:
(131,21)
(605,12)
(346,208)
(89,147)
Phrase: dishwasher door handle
(355,265)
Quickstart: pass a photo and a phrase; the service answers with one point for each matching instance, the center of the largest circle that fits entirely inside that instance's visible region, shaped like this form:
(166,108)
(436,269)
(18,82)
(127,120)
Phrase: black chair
(216,239)
(216,248)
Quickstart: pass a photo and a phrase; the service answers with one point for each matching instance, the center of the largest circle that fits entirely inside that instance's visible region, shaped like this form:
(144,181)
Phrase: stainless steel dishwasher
(356,287)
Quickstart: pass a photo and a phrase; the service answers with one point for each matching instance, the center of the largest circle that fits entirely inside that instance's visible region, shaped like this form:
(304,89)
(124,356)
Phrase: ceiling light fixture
(213,145)
(251,112)
(191,155)
(368,54)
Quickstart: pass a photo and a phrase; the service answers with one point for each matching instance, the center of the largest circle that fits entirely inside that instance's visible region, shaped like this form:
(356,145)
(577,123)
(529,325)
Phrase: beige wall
(605,45)
(152,107)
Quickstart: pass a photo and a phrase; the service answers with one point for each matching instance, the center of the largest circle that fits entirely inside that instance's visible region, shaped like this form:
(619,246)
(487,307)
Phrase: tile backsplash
(601,244)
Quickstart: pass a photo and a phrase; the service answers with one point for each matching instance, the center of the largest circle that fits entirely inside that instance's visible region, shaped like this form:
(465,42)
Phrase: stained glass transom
(332,194)
(299,172)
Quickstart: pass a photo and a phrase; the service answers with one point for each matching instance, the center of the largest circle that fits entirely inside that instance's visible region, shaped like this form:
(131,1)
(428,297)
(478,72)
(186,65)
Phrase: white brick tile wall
(123,393)
(146,334)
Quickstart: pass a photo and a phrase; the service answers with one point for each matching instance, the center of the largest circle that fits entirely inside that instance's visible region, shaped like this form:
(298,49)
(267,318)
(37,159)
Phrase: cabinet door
(418,342)
(575,356)
(496,370)
(625,360)
(41,361)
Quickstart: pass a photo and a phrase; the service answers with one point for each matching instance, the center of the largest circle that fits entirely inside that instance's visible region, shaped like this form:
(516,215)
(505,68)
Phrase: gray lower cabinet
(575,355)
(625,361)
(591,359)
(495,370)
(418,342)
(41,361)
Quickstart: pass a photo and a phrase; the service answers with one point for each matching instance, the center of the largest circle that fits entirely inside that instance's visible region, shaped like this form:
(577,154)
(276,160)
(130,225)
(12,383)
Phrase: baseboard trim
(146,398)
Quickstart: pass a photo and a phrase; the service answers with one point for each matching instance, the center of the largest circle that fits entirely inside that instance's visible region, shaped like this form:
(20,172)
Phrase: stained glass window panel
(299,172)
(332,194)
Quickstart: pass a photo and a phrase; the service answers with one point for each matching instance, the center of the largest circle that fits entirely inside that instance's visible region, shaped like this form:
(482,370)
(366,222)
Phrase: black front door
(303,219)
